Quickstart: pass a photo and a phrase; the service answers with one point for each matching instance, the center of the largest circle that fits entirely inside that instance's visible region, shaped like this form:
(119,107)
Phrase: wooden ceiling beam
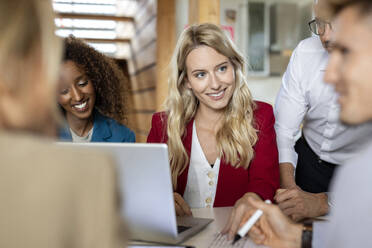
(95,17)
(106,40)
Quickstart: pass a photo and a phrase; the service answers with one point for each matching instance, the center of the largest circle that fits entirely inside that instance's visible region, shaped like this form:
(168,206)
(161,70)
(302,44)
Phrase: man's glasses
(318,27)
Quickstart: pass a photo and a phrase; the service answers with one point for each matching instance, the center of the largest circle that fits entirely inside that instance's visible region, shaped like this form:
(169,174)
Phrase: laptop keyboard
(220,241)
(182,228)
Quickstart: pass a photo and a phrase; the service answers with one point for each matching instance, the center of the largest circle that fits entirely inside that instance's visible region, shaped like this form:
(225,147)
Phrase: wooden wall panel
(144,100)
(144,80)
(141,4)
(145,14)
(144,38)
(144,120)
(166,41)
(142,68)
(140,137)
(146,57)
(143,126)
(204,11)
(131,66)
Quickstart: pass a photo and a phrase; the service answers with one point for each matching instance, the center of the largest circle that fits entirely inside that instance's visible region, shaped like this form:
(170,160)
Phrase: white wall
(182,15)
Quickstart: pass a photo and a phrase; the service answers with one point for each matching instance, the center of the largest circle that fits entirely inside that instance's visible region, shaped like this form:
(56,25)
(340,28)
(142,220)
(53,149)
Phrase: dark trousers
(312,174)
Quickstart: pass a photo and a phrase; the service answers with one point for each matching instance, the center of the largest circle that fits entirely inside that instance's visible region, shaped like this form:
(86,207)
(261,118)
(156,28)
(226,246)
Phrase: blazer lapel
(186,140)
(64,133)
(101,129)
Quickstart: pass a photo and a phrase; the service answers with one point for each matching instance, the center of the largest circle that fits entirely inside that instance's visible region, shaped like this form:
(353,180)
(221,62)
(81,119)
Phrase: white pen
(248,225)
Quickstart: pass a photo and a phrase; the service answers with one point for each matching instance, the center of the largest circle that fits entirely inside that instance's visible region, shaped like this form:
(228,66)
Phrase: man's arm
(290,109)
(287,180)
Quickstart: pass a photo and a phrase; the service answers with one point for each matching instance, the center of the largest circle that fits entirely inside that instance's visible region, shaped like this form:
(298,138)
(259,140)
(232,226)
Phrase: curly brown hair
(108,80)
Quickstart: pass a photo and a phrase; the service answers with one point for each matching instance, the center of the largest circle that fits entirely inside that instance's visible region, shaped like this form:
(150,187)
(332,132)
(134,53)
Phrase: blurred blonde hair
(237,135)
(27,32)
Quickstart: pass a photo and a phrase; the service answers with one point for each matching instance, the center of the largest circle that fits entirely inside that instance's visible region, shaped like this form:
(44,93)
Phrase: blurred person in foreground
(349,71)
(50,196)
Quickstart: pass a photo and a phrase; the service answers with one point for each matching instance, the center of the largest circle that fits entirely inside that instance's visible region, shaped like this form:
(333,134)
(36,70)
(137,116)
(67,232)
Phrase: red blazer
(262,175)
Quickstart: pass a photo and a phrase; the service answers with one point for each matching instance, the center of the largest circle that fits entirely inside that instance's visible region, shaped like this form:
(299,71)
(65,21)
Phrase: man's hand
(298,204)
(238,214)
(181,206)
(274,229)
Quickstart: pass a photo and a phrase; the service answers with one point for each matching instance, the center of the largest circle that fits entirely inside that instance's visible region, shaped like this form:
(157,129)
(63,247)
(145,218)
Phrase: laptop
(146,192)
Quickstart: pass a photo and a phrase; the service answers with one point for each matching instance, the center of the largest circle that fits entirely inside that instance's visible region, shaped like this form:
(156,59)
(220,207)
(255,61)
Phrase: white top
(202,178)
(351,219)
(81,139)
(305,98)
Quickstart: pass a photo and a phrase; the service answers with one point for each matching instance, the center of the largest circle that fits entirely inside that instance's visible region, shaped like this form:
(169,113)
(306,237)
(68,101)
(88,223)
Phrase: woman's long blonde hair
(237,135)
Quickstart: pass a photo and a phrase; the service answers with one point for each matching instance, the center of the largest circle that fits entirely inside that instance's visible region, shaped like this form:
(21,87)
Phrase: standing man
(350,72)
(307,166)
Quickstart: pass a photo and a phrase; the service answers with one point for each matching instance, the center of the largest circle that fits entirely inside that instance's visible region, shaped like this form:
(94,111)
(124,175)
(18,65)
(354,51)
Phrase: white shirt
(202,179)
(351,219)
(81,139)
(305,98)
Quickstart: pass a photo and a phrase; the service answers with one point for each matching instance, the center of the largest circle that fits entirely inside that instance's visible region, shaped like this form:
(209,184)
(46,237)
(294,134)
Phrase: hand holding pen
(248,225)
(274,229)
(242,208)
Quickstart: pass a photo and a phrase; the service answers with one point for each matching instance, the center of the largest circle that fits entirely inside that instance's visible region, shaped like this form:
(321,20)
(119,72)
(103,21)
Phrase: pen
(247,226)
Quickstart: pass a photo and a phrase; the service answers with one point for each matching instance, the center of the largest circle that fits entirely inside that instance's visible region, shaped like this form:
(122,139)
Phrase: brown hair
(108,80)
(330,8)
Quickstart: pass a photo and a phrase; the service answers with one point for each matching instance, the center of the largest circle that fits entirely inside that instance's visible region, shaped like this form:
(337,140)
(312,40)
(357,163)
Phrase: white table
(205,237)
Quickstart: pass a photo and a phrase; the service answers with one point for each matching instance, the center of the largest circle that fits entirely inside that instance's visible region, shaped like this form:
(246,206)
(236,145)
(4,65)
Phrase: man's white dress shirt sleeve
(290,109)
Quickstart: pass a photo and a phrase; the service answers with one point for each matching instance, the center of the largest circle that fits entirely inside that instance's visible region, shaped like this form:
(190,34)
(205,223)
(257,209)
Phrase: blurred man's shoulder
(311,44)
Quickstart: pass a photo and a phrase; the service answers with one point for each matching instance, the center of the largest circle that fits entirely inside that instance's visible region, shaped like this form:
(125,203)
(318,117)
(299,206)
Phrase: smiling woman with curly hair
(92,96)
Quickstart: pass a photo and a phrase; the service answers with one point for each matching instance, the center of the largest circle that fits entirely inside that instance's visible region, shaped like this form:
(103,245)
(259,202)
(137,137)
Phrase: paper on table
(220,241)
(154,246)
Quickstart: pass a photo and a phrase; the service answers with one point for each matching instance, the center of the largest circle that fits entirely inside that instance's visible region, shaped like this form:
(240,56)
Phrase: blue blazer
(105,129)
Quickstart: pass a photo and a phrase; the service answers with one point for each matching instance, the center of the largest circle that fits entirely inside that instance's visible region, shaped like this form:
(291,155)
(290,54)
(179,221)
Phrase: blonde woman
(51,196)
(221,143)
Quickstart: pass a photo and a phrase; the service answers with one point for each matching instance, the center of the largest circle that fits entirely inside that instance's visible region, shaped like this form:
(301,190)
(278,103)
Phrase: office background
(141,35)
